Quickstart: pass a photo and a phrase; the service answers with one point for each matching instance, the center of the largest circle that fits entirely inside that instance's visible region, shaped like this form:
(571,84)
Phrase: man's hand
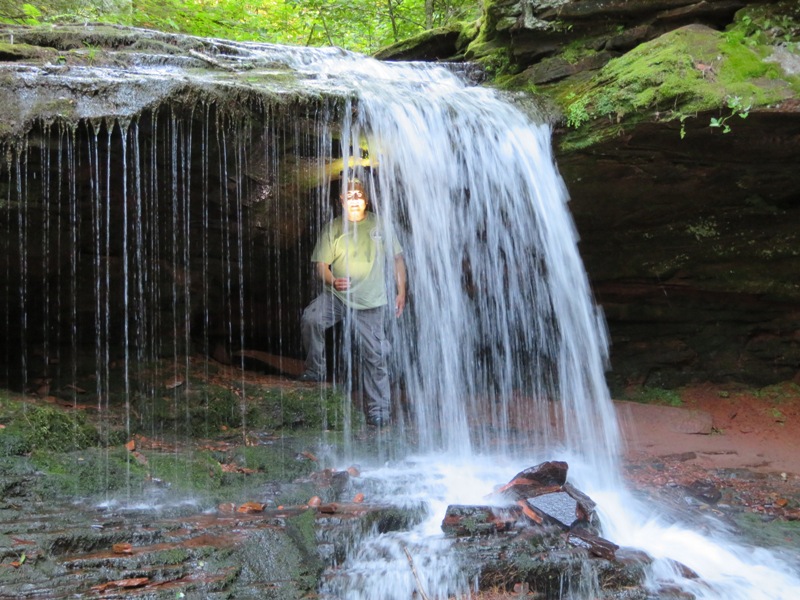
(340,284)
(400,280)
(399,304)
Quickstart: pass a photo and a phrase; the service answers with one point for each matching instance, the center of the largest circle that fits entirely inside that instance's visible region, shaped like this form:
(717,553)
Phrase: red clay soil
(716,432)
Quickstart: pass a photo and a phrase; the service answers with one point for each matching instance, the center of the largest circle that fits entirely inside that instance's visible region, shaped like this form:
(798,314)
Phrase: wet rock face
(691,246)
(688,234)
(534,29)
(542,529)
(690,242)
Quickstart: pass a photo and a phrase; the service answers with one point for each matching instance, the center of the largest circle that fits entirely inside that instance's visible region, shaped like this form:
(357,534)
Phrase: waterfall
(498,362)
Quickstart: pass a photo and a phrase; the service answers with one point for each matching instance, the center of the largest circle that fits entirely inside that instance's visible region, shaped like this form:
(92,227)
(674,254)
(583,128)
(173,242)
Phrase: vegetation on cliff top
(679,75)
(360,25)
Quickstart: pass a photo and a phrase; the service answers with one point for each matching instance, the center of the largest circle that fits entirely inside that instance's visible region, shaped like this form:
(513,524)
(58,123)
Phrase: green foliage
(767,25)
(32,14)
(577,113)
(674,77)
(736,109)
(360,25)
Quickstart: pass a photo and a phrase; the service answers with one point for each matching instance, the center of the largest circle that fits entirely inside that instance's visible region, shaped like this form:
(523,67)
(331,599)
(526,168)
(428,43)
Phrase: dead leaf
(231,468)
(529,512)
(250,507)
(358,498)
(314,501)
(122,548)
(227,507)
(309,456)
(121,583)
(21,541)
(131,445)
(173,383)
(781,502)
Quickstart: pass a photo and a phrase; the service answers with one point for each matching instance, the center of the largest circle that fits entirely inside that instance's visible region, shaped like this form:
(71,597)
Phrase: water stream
(499,358)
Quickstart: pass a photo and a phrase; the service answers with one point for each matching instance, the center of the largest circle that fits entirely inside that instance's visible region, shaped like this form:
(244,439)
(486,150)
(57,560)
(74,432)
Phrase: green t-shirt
(357,250)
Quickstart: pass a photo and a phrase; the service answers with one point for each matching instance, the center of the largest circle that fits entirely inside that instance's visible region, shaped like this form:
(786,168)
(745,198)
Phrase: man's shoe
(310,376)
(380,422)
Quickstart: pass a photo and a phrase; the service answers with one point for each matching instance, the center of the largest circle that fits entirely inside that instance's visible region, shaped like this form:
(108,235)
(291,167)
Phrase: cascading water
(505,351)
(500,356)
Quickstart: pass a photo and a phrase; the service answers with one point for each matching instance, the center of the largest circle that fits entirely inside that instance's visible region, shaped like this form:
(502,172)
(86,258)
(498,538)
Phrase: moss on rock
(33,427)
(676,76)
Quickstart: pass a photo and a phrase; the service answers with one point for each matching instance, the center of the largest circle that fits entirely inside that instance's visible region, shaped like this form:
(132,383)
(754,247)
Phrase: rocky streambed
(266,510)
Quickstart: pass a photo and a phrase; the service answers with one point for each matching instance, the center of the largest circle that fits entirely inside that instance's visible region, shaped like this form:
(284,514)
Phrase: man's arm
(400,281)
(324,273)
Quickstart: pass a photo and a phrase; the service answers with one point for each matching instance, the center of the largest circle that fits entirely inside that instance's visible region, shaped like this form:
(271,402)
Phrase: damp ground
(240,459)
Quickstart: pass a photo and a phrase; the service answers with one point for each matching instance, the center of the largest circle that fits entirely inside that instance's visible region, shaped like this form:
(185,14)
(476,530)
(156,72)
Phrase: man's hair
(353,184)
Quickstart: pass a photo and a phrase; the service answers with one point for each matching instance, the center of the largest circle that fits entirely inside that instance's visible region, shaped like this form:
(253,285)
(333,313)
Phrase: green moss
(655,395)
(33,427)
(684,72)
(171,556)
(301,529)
(314,408)
(770,534)
(186,472)
(205,410)
(275,462)
(420,41)
(88,473)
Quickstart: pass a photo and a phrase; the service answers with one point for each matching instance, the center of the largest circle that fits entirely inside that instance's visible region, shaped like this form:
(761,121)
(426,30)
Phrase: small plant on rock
(736,108)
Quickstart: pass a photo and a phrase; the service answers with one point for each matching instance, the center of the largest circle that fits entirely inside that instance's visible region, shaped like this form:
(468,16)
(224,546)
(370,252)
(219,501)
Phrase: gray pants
(325,311)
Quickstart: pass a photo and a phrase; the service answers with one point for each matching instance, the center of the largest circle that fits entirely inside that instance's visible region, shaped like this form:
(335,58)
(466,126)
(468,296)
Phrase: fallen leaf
(250,507)
(121,583)
(173,383)
(309,456)
(21,541)
(231,468)
(529,512)
(227,507)
(358,498)
(314,501)
(122,548)
(131,445)
(781,502)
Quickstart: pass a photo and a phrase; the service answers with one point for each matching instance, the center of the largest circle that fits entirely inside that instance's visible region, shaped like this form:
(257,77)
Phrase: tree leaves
(359,25)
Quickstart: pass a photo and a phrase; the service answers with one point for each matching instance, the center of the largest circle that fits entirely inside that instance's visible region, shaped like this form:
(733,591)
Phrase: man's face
(354,202)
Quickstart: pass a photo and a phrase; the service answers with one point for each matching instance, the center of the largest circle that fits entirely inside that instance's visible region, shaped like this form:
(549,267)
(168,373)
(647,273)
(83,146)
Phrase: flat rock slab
(677,419)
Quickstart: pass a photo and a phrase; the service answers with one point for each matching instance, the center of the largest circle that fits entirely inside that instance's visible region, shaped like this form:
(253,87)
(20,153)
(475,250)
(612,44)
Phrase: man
(349,258)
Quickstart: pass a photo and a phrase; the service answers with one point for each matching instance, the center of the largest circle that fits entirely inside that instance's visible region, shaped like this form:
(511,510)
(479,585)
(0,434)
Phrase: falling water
(499,358)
